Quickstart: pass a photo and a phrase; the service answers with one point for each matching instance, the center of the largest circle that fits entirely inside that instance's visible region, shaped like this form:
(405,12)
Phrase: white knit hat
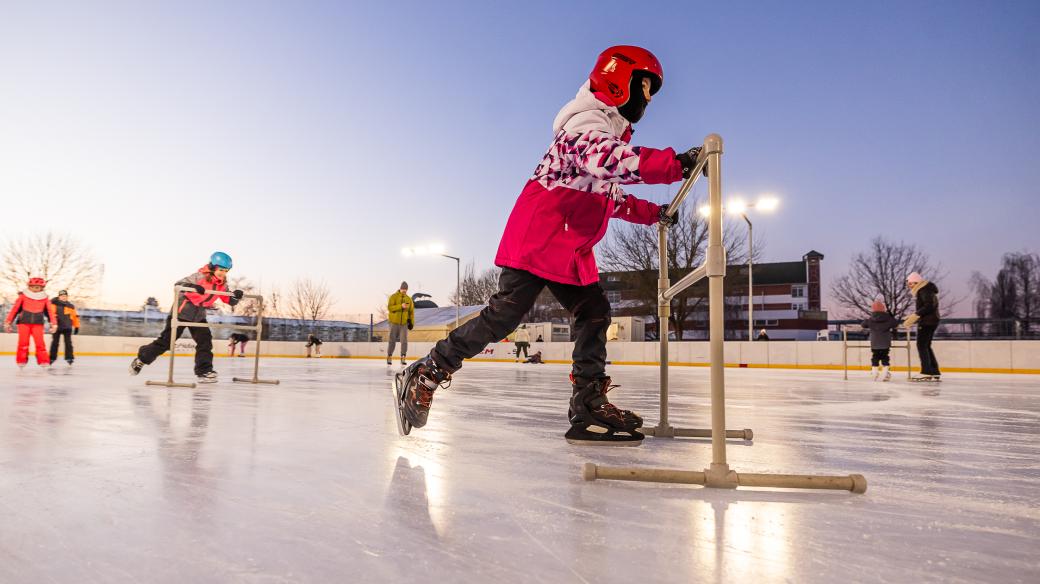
(914,278)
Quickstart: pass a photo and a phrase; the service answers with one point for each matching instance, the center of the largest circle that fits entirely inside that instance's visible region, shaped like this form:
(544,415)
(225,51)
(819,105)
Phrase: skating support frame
(175,324)
(719,474)
(665,294)
(846,346)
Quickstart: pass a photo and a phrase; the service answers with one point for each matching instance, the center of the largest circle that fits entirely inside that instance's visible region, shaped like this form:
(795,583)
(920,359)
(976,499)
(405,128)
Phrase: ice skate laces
(428,383)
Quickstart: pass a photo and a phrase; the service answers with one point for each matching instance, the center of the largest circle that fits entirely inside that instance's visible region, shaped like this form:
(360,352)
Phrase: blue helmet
(220,259)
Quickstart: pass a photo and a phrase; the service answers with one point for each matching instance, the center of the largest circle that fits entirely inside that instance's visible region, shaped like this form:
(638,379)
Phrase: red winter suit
(191,307)
(562,212)
(33,310)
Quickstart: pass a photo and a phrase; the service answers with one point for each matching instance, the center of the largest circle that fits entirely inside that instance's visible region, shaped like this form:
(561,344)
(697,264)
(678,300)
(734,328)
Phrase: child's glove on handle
(667,220)
(688,160)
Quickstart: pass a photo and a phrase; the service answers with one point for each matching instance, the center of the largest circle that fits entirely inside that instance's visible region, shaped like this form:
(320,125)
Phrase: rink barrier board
(634,363)
(1003,357)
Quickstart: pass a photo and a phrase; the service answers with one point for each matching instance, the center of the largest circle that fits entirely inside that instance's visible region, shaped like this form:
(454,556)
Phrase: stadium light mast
(438,249)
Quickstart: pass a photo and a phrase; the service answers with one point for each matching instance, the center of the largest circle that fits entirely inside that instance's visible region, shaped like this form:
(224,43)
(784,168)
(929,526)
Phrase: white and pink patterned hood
(565,207)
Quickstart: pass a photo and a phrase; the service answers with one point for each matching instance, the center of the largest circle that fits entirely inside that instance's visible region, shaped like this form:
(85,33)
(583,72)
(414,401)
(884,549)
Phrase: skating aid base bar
(170,384)
(669,432)
(254,380)
(724,478)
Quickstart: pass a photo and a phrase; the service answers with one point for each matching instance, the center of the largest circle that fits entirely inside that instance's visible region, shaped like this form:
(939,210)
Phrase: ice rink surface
(103,479)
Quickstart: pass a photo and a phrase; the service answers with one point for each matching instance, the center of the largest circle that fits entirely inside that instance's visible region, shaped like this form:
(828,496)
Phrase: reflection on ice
(105,480)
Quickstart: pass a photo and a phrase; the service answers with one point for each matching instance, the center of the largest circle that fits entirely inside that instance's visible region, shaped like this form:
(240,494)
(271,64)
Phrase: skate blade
(609,443)
(396,391)
(602,438)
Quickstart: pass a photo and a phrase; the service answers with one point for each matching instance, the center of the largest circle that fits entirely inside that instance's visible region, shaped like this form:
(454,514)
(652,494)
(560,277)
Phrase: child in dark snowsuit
(191,307)
(881,325)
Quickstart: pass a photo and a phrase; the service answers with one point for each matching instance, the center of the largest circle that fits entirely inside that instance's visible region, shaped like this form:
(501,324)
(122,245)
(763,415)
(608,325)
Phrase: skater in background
(926,317)
(237,340)
(536,358)
(560,215)
(522,339)
(762,335)
(191,307)
(313,343)
(539,339)
(32,310)
(68,325)
(401,311)
(881,325)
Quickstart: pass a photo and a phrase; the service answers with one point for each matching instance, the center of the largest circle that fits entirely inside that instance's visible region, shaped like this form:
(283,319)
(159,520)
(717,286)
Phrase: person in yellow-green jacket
(401,311)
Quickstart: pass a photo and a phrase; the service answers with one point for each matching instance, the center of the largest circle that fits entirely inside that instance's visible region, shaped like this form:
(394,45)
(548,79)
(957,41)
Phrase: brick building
(786,299)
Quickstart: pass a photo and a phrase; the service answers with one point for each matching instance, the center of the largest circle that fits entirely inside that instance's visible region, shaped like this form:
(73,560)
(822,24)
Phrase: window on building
(614,296)
(797,291)
(613,278)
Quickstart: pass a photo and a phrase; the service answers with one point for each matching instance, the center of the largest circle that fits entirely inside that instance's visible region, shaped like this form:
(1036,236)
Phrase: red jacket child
(32,309)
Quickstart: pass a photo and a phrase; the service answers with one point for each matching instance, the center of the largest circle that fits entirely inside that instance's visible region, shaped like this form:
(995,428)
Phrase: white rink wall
(954,356)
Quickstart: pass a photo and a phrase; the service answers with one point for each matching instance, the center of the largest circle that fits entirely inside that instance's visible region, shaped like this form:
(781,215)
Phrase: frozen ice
(104,479)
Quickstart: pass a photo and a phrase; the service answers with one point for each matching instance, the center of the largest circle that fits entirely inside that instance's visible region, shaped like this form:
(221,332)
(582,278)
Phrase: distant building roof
(771,273)
(444,315)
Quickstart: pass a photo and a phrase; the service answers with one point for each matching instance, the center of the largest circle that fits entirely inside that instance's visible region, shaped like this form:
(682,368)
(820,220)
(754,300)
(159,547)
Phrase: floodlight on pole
(764,203)
(439,249)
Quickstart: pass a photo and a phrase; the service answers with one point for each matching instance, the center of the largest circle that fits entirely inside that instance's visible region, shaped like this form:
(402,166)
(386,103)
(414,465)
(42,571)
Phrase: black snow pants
(879,357)
(56,338)
(929,364)
(517,292)
(203,347)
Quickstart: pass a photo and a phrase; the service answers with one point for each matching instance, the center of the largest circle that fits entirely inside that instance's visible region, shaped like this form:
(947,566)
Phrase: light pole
(765,203)
(458,285)
(438,249)
(750,281)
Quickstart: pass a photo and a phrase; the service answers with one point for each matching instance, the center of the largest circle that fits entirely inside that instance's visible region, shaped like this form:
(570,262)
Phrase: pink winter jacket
(564,209)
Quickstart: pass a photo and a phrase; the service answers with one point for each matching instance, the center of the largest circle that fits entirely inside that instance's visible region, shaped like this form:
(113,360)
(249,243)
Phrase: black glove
(232,301)
(238,294)
(688,160)
(198,288)
(410,325)
(75,331)
(664,219)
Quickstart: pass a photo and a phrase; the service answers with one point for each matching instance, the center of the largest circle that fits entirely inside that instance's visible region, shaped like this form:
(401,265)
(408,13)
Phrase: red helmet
(37,282)
(612,74)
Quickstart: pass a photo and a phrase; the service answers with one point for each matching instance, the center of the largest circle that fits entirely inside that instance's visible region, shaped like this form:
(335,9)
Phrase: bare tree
(246,306)
(308,300)
(61,259)
(881,272)
(475,289)
(634,249)
(1014,292)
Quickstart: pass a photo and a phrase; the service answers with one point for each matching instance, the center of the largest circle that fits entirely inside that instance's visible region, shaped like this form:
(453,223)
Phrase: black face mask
(635,107)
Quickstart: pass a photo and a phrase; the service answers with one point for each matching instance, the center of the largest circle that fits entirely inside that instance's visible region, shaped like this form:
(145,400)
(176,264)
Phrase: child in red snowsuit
(32,309)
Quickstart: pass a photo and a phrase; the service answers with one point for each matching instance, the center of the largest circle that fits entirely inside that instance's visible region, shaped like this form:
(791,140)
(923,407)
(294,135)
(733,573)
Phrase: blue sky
(317,139)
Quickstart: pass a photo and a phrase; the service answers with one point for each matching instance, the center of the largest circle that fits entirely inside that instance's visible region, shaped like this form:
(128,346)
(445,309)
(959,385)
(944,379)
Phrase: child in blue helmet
(191,307)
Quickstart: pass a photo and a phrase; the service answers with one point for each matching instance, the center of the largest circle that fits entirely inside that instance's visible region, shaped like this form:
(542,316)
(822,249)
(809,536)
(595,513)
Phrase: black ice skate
(594,420)
(413,392)
(135,366)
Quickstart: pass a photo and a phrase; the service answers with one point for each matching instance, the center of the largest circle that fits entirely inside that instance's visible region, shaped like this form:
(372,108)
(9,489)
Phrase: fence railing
(973,329)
